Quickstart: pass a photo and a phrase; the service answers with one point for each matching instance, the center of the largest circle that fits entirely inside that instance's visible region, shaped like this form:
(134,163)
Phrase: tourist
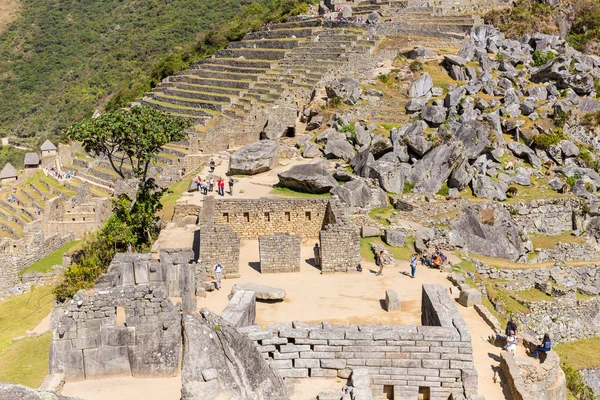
(218,273)
(222,187)
(183,169)
(545,346)
(231,186)
(511,342)
(197,181)
(425,260)
(317,251)
(437,250)
(510,326)
(436,260)
(219,186)
(203,187)
(211,184)
(212,165)
(372,33)
(379,262)
(413,265)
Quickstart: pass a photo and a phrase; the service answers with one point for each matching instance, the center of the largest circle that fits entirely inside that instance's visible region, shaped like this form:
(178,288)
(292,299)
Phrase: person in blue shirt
(545,347)
(218,273)
(413,265)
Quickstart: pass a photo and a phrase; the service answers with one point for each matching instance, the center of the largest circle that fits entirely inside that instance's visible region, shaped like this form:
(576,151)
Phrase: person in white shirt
(218,273)
(511,342)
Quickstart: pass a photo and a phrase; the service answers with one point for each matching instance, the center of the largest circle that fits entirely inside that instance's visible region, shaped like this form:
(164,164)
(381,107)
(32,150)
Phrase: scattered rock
(347,89)
(254,158)
(263,292)
(309,178)
(394,237)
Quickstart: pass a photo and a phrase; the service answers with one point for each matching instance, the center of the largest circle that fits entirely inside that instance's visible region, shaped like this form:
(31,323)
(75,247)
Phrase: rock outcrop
(254,158)
(309,178)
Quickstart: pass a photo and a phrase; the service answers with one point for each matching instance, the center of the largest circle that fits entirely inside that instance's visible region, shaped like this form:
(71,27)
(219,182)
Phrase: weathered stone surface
(461,176)
(339,149)
(311,150)
(420,52)
(485,187)
(429,173)
(263,292)
(309,178)
(369,231)
(434,115)
(358,193)
(211,343)
(417,103)
(487,229)
(391,175)
(475,138)
(347,89)
(469,297)
(414,137)
(451,59)
(421,86)
(582,84)
(9,391)
(453,98)
(394,237)
(254,158)
(330,134)
(392,301)
(568,148)
(520,150)
(361,163)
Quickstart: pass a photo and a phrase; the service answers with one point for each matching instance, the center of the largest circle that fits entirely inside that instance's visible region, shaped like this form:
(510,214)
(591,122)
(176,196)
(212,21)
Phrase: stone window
(268,217)
(247,217)
(424,393)
(388,392)
(72,219)
(288,216)
(226,217)
(308,216)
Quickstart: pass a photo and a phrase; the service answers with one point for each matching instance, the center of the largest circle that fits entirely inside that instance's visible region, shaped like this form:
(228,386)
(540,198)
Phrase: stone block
(281,364)
(106,361)
(392,301)
(117,336)
(327,334)
(294,373)
(294,348)
(87,339)
(307,363)
(323,373)
(333,364)
(65,359)
(470,297)
(141,273)
(394,237)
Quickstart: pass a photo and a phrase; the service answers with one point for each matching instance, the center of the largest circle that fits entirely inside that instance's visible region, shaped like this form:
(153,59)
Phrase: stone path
(125,389)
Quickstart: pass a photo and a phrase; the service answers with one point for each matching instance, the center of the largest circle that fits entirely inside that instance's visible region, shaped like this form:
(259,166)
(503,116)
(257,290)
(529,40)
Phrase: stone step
(367,7)
(187,102)
(235,62)
(253,54)
(192,94)
(215,73)
(282,43)
(230,68)
(308,63)
(269,85)
(280,34)
(320,56)
(297,24)
(322,50)
(231,92)
(226,83)
(197,114)
(325,43)
(235,113)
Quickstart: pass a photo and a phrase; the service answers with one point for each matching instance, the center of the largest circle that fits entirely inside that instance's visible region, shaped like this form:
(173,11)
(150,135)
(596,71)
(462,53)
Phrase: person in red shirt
(222,187)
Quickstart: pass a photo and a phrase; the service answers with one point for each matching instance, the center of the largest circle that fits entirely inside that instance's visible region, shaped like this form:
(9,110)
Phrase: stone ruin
(279,253)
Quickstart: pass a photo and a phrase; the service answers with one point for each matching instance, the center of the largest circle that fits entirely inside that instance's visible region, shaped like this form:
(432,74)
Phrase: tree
(131,139)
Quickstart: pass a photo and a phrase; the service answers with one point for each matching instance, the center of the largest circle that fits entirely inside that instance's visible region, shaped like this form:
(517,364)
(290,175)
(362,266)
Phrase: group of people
(207,185)
(512,340)
(436,260)
(52,171)
(12,199)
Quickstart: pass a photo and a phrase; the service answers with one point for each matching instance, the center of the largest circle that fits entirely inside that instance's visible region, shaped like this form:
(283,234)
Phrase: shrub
(384,78)
(591,120)
(560,118)
(408,187)
(545,140)
(572,179)
(597,87)
(416,66)
(349,128)
(500,57)
(576,383)
(443,190)
(540,58)
(588,159)
(335,102)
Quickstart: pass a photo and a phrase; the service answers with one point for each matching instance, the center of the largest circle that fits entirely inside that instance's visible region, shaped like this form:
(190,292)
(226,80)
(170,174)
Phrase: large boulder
(429,173)
(420,53)
(220,362)
(281,118)
(414,138)
(394,238)
(390,174)
(361,163)
(582,84)
(469,297)
(487,229)
(587,173)
(421,86)
(461,176)
(254,158)
(263,292)
(330,134)
(358,193)
(475,137)
(309,178)
(434,115)
(484,187)
(522,151)
(339,149)
(9,391)
(347,89)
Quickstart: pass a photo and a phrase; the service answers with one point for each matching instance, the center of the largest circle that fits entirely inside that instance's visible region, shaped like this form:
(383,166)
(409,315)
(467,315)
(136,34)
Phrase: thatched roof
(48,146)
(32,159)
(8,172)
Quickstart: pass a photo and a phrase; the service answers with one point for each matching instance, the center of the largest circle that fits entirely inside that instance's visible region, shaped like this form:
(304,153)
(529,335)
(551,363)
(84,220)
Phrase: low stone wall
(241,309)
(407,357)
(548,217)
(568,252)
(280,253)
(219,244)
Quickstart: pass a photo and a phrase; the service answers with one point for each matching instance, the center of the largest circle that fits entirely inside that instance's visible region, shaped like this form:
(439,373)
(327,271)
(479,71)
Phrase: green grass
(285,192)
(550,241)
(580,354)
(45,264)
(532,295)
(382,214)
(25,361)
(399,253)
(168,200)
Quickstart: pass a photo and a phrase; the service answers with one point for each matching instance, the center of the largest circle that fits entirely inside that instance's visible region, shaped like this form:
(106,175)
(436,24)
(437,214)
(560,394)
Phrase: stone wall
(266,216)
(407,357)
(218,243)
(280,253)
(78,217)
(548,217)
(340,248)
(567,252)
(241,309)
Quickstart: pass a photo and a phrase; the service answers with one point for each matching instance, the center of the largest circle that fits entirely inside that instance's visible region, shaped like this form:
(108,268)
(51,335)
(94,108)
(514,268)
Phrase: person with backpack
(218,272)
(231,186)
(379,262)
(413,265)
(317,251)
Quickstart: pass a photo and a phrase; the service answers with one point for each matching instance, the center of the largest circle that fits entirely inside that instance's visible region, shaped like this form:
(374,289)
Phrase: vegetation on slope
(59,60)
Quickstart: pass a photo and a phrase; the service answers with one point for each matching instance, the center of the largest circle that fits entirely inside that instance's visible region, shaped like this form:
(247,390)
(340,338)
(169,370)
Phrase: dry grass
(548,242)
(532,295)
(9,9)
(580,354)
(438,74)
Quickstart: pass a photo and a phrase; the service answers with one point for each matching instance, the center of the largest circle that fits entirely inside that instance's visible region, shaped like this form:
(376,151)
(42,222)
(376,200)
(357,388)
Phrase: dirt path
(125,388)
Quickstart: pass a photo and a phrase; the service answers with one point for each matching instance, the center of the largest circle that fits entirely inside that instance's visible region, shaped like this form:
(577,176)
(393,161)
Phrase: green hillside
(59,60)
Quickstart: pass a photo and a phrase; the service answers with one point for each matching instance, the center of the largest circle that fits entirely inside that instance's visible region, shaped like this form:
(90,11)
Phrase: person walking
(222,187)
(231,186)
(212,165)
(218,272)
(511,342)
(413,265)
(211,184)
(544,348)
(317,251)
(219,185)
(379,262)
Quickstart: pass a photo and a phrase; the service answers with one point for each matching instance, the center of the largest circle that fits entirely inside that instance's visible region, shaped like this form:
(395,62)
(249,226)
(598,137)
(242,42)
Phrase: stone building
(32,160)
(8,175)
(48,149)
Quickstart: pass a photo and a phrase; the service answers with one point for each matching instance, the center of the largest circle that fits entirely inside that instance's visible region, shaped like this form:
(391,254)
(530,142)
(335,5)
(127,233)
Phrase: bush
(335,102)
(560,118)
(500,57)
(443,190)
(545,140)
(408,187)
(588,159)
(416,66)
(591,120)
(384,78)
(576,383)
(349,128)
(540,58)
(572,179)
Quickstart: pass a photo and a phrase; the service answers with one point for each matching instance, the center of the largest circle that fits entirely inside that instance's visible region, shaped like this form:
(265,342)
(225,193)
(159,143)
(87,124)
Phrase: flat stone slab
(263,292)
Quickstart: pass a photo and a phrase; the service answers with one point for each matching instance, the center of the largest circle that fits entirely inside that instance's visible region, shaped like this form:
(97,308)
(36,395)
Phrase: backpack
(377,262)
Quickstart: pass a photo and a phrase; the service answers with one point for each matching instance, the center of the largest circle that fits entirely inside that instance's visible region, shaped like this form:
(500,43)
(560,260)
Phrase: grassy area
(45,264)
(382,214)
(438,74)
(25,361)
(580,354)
(497,294)
(285,192)
(532,295)
(550,241)
(399,253)
(168,201)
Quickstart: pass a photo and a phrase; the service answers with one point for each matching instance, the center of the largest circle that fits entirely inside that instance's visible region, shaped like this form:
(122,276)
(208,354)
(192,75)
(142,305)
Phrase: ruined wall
(279,253)
(404,356)
(266,216)
(548,217)
(219,244)
(340,248)
(79,218)
(92,342)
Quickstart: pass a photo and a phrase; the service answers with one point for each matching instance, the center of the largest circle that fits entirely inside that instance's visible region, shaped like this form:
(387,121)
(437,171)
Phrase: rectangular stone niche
(279,253)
